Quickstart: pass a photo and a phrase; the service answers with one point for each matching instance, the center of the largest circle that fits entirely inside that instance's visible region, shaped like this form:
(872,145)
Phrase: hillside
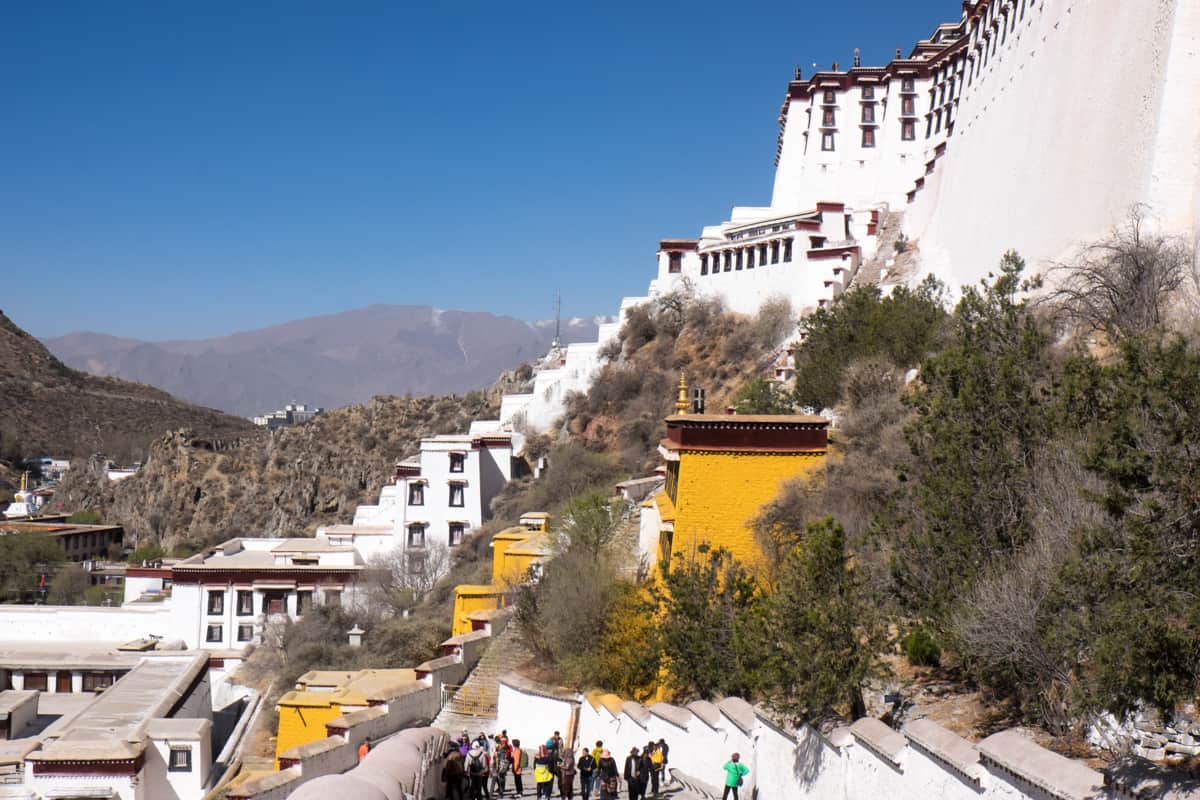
(331,360)
(193,492)
(48,408)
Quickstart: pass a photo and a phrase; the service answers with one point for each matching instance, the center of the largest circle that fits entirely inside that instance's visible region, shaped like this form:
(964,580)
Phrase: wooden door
(62,683)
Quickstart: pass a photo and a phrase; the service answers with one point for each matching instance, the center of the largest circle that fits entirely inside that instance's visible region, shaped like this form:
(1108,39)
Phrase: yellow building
(515,552)
(721,470)
(324,695)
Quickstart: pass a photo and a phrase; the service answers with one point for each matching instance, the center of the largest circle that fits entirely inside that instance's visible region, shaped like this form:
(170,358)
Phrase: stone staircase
(472,707)
(871,271)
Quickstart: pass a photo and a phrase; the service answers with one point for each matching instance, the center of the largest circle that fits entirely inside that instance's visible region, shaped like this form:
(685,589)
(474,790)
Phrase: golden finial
(681,405)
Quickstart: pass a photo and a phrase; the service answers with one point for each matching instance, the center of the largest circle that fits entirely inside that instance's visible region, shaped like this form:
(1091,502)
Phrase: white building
(291,414)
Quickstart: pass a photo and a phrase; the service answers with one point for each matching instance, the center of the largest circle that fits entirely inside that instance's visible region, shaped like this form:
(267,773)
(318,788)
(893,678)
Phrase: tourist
(554,748)
(735,771)
(453,775)
(644,771)
(501,764)
(658,760)
(520,763)
(632,771)
(543,773)
(587,774)
(608,776)
(477,765)
(482,741)
(566,774)
(597,751)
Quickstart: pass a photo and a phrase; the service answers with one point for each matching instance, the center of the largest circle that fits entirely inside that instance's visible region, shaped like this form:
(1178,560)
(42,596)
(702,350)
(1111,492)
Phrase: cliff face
(47,408)
(195,491)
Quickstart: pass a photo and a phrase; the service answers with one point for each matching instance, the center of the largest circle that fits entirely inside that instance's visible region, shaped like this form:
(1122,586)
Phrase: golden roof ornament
(681,405)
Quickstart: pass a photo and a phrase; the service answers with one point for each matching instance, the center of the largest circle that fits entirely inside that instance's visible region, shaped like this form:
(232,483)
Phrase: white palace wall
(1088,108)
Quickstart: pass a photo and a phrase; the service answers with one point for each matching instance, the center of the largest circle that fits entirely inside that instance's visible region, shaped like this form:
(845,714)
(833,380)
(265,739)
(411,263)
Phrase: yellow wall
(469,599)
(719,494)
(301,724)
(501,542)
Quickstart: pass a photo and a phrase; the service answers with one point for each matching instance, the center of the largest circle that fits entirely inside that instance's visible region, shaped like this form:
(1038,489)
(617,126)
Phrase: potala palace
(1031,125)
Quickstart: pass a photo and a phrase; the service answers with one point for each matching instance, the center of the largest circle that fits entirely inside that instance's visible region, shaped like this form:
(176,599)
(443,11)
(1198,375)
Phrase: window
(827,118)
(868,137)
(245,603)
(775,252)
(826,142)
(868,93)
(787,249)
(245,633)
(762,254)
(739,260)
(457,531)
(868,112)
(750,258)
(303,601)
(458,462)
(908,106)
(181,760)
(216,602)
(907,85)
(704,264)
(674,262)
(457,495)
(333,597)
(830,97)
(214,633)
(908,131)
(728,260)
(416,494)
(95,681)
(416,535)
(36,680)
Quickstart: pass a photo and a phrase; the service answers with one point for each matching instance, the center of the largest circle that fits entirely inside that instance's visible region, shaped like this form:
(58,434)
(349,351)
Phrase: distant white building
(291,414)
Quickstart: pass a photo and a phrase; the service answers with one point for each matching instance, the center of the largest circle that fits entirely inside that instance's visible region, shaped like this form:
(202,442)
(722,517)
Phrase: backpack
(524,762)
(476,766)
(657,757)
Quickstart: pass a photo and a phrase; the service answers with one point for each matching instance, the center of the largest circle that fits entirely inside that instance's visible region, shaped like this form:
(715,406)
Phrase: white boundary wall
(864,760)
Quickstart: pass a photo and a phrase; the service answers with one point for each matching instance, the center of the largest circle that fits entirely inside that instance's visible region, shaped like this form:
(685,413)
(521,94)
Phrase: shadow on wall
(809,760)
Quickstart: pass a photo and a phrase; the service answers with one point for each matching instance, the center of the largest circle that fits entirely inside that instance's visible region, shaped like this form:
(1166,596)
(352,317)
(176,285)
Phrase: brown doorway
(62,683)
(275,601)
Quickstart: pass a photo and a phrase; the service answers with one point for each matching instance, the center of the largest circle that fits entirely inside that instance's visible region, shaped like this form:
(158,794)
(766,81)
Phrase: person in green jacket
(735,770)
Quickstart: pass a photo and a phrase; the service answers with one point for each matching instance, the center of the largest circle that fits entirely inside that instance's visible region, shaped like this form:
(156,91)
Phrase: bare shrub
(1125,284)
(775,320)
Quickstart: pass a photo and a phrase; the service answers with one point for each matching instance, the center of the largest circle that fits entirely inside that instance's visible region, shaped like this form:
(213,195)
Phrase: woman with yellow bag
(543,773)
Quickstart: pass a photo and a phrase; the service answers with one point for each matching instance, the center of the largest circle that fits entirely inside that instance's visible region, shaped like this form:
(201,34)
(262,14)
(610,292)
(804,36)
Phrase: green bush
(921,650)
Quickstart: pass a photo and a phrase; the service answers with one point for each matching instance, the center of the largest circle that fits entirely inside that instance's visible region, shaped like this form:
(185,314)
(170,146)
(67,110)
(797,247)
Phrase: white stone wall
(530,717)
(178,785)
(33,624)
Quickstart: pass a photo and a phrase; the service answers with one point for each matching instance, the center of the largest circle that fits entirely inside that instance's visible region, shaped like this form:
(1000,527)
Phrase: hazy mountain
(47,408)
(331,360)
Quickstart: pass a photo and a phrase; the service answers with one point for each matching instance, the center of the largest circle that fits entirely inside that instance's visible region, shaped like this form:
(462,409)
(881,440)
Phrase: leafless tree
(401,577)
(1125,284)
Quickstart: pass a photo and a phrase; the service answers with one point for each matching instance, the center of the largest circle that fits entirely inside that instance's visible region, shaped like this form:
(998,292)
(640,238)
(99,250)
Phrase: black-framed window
(245,632)
(458,495)
(868,137)
(216,602)
(868,112)
(828,118)
(762,254)
(908,105)
(674,262)
(728,260)
(750,257)
(304,600)
(416,494)
(245,603)
(787,249)
(214,633)
(830,96)
(416,535)
(458,462)
(457,531)
(907,84)
(868,93)
(908,131)
(775,252)
(180,760)
(333,597)
(740,258)
(827,142)
(703,263)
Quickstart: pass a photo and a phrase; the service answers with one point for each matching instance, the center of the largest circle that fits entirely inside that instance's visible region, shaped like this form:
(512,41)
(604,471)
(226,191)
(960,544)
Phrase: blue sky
(172,170)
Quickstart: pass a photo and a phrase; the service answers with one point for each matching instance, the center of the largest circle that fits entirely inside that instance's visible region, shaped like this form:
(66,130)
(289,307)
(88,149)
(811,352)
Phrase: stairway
(472,707)
(871,271)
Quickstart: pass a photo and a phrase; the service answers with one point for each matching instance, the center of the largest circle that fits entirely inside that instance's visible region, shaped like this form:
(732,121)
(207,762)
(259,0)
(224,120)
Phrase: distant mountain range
(49,409)
(331,360)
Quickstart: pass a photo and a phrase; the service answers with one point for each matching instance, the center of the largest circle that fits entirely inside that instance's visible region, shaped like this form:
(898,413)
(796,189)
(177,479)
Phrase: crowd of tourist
(480,768)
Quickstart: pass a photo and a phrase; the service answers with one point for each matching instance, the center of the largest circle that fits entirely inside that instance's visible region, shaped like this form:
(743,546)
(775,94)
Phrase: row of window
(417,531)
(908,132)
(907,84)
(416,494)
(745,257)
(274,602)
(92,681)
(215,632)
